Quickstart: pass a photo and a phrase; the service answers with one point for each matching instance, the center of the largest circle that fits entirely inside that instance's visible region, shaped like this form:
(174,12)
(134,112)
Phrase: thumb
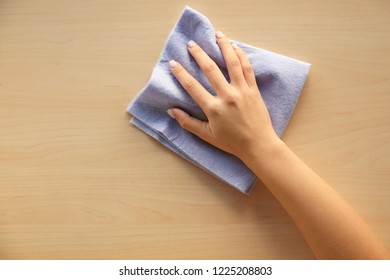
(191,124)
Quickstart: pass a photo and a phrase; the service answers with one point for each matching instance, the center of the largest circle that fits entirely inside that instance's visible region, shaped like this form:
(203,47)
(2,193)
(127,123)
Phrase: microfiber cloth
(280,80)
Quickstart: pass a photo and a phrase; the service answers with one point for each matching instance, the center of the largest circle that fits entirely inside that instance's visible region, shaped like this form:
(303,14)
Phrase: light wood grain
(77,181)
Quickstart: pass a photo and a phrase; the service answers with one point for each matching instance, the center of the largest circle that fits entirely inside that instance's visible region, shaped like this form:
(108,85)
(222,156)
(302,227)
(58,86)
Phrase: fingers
(201,96)
(195,126)
(232,61)
(246,66)
(239,68)
(209,67)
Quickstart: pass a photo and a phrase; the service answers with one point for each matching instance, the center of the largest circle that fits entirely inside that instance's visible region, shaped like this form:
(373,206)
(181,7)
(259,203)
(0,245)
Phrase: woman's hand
(238,120)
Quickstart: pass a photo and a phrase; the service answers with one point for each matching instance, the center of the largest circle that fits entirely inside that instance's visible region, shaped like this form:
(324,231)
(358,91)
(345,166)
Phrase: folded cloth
(280,80)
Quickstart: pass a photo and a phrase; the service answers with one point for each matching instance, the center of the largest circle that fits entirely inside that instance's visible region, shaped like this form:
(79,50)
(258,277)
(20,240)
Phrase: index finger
(209,67)
(200,95)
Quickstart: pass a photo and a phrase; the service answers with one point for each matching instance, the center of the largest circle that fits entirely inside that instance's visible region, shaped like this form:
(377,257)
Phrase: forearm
(330,226)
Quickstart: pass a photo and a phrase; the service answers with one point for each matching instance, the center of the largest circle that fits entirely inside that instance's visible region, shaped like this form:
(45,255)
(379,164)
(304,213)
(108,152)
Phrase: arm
(330,226)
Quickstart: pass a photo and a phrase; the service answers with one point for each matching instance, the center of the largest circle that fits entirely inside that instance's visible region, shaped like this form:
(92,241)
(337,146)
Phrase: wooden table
(77,181)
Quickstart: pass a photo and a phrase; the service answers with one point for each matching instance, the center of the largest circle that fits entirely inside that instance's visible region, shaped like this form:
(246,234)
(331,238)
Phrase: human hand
(238,120)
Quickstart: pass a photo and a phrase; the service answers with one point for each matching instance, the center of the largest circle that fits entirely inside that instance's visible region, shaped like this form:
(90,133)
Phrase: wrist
(261,155)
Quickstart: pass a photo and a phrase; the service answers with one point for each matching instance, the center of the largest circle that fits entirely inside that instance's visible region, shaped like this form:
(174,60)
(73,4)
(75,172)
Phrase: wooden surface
(77,181)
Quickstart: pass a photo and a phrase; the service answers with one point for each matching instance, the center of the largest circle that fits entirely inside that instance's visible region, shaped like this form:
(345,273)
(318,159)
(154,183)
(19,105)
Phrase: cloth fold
(280,80)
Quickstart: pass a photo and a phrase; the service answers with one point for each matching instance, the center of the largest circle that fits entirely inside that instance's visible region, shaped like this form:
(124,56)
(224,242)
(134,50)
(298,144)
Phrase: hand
(238,120)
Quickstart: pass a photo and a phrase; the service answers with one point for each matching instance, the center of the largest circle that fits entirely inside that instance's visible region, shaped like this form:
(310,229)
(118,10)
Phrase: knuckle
(210,67)
(184,123)
(233,62)
(247,68)
(212,109)
(189,84)
(231,100)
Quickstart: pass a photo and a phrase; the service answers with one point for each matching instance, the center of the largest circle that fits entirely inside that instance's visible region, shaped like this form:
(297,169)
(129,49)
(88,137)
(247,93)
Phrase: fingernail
(172,64)
(219,34)
(171,114)
(191,44)
(234,45)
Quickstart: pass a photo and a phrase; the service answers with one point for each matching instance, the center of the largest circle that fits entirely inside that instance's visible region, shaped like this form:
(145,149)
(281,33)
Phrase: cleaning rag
(280,80)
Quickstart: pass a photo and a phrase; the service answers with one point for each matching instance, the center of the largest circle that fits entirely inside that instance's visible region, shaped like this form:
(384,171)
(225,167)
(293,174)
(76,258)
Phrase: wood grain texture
(77,181)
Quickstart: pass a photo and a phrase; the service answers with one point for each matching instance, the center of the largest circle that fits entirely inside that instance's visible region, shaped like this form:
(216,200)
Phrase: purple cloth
(280,81)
